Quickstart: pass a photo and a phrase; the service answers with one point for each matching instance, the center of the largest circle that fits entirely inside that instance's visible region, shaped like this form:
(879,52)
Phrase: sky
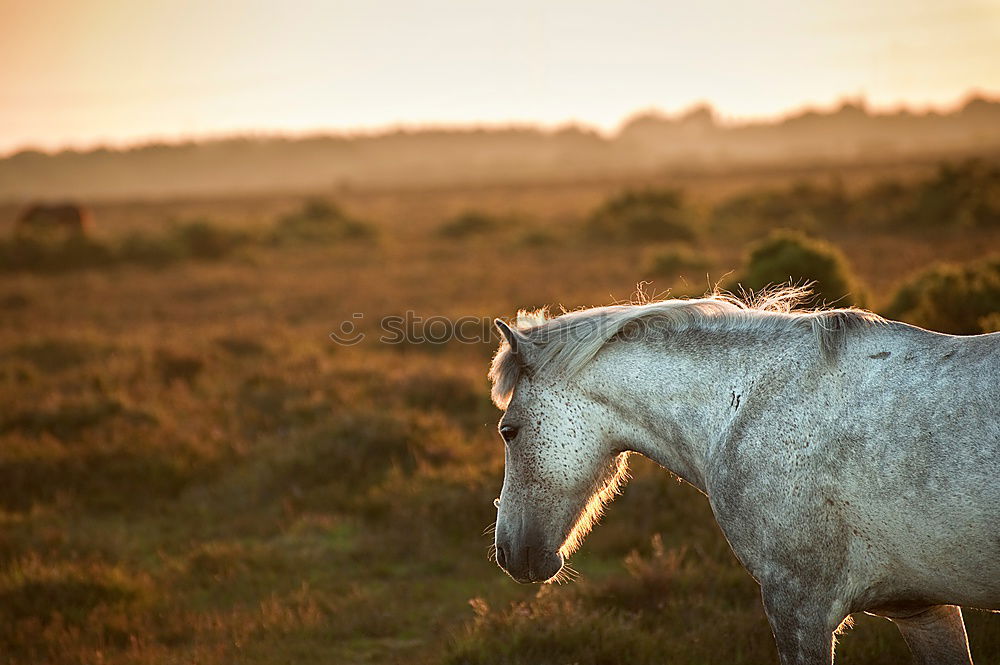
(80,73)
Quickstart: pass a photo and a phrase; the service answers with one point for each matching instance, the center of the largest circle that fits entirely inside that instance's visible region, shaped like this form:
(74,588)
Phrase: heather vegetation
(469,223)
(672,261)
(320,221)
(959,299)
(192,470)
(643,215)
(200,239)
(962,195)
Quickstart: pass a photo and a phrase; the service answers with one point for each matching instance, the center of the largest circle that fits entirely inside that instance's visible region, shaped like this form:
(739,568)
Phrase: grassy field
(191,470)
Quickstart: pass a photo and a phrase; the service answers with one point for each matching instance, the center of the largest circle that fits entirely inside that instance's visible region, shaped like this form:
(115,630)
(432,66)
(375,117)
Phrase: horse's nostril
(501,557)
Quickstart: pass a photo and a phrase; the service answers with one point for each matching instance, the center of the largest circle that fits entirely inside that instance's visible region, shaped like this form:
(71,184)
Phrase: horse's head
(561,463)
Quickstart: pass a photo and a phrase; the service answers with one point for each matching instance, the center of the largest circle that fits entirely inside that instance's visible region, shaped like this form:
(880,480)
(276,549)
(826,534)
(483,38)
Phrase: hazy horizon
(79,75)
(723,118)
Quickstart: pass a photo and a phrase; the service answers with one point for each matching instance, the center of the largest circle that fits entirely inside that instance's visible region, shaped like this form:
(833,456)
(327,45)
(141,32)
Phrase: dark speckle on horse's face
(559,470)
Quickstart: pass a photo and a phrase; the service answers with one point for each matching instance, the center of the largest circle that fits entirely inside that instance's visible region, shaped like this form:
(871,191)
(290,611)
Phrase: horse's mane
(564,344)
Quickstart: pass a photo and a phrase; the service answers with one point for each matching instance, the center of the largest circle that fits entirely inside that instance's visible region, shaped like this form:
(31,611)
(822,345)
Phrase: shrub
(49,607)
(470,223)
(38,254)
(958,299)
(649,615)
(64,423)
(178,367)
(334,464)
(31,590)
(990,323)
(958,195)
(51,354)
(966,194)
(80,251)
(238,345)
(143,249)
(201,239)
(791,256)
(20,253)
(803,206)
(110,481)
(271,402)
(463,493)
(643,215)
(885,204)
(319,221)
(537,238)
(672,261)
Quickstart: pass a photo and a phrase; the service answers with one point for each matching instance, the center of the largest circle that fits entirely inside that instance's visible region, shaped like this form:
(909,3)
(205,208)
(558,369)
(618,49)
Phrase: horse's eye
(508,432)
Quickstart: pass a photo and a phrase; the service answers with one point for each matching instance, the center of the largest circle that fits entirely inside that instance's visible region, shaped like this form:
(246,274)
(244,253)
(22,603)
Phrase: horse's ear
(520,345)
(513,338)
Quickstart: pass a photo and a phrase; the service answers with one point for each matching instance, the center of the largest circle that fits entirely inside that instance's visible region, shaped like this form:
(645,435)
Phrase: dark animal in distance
(65,218)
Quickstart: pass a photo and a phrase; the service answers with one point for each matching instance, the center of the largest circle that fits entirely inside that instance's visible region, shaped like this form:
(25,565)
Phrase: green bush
(670,262)
(957,299)
(319,221)
(788,256)
(643,215)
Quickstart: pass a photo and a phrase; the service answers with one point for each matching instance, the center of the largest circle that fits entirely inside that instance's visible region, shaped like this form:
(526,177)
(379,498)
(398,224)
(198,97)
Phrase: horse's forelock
(504,373)
(506,367)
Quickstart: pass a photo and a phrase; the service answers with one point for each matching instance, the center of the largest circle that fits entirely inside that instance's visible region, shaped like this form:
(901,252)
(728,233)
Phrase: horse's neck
(674,405)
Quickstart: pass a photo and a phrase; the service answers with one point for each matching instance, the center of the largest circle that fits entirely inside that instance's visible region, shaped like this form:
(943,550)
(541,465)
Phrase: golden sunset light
(537,332)
(86,72)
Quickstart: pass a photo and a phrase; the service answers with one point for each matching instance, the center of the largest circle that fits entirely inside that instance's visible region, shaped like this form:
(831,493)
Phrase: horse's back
(945,386)
(919,451)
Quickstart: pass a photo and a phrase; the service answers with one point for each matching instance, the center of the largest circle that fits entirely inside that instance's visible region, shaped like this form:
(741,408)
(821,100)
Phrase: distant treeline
(648,143)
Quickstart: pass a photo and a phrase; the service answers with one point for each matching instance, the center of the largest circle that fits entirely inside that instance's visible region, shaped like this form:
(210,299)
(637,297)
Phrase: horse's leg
(936,636)
(803,628)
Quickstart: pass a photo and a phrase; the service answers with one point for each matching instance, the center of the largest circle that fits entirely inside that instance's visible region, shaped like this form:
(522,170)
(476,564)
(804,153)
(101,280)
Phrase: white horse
(852,463)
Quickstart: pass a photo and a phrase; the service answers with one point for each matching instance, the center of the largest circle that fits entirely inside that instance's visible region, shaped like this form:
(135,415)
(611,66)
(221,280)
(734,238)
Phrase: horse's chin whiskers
(490,530)
(565,575)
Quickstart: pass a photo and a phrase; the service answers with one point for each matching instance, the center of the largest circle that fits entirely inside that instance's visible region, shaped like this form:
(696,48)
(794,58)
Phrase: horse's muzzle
(528,562)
